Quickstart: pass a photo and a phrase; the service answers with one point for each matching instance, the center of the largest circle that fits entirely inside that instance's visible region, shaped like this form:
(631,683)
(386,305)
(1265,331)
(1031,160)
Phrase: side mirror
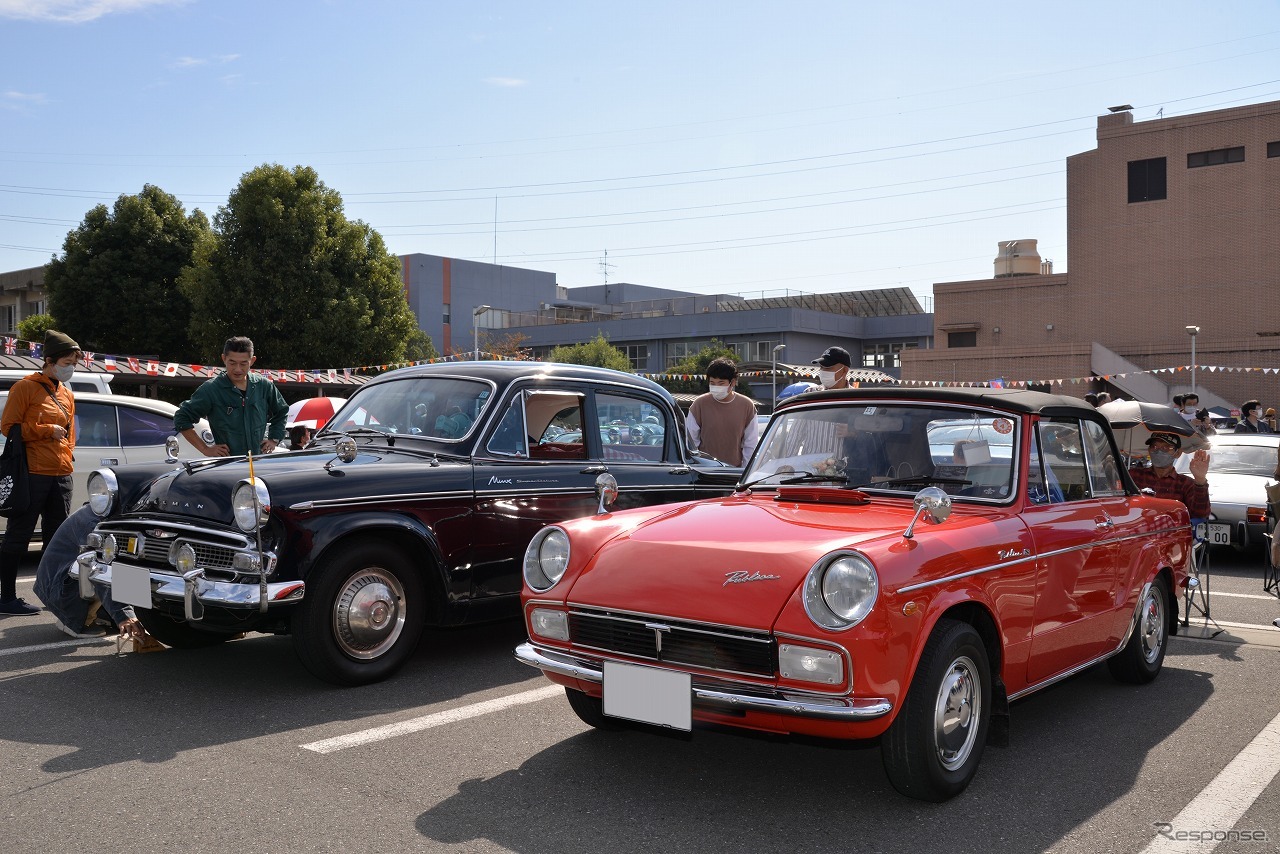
(931,502)
(606,492)
(171,449)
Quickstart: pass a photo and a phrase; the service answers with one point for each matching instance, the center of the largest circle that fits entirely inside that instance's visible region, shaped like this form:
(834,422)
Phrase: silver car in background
(1240,467)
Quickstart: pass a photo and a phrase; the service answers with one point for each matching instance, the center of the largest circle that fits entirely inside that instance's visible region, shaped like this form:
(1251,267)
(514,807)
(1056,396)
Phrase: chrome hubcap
(368,616)
(1152,627)
(957,713)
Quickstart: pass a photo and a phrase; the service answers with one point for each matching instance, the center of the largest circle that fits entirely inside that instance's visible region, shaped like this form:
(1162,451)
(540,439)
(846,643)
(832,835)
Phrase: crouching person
(61,593)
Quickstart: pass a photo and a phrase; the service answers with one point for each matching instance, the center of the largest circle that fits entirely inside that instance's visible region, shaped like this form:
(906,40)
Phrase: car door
(637,441)
(1077,549)
(97,444)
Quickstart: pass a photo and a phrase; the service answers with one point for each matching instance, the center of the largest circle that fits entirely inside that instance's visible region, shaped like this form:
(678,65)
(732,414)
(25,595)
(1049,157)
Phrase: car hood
(735,561)
(203,489)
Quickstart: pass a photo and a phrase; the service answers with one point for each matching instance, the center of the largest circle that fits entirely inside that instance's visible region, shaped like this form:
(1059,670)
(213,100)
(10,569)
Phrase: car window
(511,438)
(895,448)
(631,429)
(1062,456)
(96,426)
(142,428)
(437,407)
(554,419)
(1104,471)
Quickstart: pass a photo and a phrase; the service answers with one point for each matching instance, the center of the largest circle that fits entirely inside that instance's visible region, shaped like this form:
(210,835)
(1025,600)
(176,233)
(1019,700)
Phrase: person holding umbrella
(1165,482)
(239,406)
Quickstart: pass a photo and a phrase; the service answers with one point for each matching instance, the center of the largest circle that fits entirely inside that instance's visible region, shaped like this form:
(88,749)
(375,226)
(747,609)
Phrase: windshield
(1225,458)
(894,447)
(445,408)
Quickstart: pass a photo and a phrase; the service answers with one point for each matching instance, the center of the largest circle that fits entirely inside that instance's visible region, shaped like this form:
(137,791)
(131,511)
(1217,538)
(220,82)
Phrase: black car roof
(1013,400)
(504,373)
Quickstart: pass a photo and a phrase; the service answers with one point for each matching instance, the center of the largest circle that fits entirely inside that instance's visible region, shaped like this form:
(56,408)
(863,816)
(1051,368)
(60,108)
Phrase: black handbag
(15,487)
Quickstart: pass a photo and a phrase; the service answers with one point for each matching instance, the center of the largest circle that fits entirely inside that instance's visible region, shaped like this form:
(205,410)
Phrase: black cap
(833,356)
(58,344)
(1168,438)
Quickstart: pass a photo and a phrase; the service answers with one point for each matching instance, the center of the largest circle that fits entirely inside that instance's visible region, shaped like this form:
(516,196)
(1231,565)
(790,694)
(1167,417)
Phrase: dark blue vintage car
(411,507)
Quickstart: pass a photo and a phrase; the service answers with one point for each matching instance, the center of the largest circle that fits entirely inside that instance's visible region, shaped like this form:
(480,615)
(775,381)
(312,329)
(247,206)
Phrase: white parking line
(1244,595)
(355,739)
(19,650)
(1211,816)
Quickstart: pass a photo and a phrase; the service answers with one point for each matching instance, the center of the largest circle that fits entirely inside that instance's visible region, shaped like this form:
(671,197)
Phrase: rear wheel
(177,633)
(932,749)
(362,614)
(590,710)
(1142,657)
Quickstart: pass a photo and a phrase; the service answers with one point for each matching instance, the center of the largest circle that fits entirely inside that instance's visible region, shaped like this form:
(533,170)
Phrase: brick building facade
(1171,223)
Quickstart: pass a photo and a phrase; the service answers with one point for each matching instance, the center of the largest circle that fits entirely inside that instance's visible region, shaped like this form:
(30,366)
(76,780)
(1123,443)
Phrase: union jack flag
(10,346)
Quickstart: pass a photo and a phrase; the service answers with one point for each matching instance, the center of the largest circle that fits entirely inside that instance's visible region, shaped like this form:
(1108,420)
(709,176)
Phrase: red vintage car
(894,564)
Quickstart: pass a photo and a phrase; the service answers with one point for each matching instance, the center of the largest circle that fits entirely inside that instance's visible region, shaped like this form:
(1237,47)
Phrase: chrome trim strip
(126,525)
(849,710)
(222,594)
(378,499)
(596,609)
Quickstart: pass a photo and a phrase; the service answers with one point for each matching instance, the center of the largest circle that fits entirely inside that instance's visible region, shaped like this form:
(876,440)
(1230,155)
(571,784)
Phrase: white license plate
(1214,534)
(131,585)
(648,695)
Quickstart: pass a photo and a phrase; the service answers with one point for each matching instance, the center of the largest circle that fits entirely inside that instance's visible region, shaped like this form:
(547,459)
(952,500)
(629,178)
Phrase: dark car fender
(446,598)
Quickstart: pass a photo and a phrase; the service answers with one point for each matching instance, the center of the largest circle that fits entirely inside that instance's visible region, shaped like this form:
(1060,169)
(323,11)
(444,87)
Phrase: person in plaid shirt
(1164,449)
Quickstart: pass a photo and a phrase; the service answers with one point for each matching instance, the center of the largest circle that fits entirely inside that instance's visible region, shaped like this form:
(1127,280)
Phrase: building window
(9,318)
(1216,157)
(764,350)
(637,354)
(741,350)
(680,350)
(1146,180)
(1273,149)
(962,339)
(888,355)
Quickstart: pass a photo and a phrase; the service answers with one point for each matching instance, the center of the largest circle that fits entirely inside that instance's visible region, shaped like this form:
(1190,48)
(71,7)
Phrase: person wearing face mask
(42,404)
(722,422)
(1251,418)
(833,367)
(1199,420)
(1164,449)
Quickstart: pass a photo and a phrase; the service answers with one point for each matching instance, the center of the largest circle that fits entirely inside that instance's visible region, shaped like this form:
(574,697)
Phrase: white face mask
(720,392)
(827,378)
(64,373)
(1190,410)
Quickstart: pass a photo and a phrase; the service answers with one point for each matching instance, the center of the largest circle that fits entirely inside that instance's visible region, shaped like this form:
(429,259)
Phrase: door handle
(601,469)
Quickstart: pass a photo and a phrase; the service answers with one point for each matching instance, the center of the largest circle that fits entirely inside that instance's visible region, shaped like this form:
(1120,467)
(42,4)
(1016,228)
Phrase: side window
(511,439)
(555,420)
(96,426)
(1062,455)
(139,428)
(1104,470)
(631,428)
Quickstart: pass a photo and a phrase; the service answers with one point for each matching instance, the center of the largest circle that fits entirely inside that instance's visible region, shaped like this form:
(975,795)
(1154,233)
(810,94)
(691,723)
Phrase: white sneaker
(86,632)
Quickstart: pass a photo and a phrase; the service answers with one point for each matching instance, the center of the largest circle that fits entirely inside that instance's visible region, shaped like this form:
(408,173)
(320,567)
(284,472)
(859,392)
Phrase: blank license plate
(648,695)
(1216,535)
(131,585)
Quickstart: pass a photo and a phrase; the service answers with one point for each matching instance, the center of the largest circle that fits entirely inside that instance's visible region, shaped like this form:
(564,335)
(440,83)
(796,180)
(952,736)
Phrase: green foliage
(114,289)
(598,352)
(289,270)
(419,346)
(696,366)
(33,327)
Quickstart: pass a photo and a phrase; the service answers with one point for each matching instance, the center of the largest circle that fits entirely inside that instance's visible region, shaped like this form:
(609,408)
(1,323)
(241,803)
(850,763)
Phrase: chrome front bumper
(846,709)
(193,590)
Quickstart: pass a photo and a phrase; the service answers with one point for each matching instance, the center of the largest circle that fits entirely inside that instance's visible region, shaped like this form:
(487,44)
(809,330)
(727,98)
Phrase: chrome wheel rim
(368,616)
(957,713)
(1152,626)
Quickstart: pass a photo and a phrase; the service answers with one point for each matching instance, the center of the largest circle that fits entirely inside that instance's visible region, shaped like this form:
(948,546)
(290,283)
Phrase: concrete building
(21,295)
(1171,223)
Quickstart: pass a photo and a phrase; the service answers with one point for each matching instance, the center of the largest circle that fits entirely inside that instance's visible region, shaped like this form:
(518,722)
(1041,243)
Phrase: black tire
(932,750)
(1142,657)
(362,615)
(590,710)
(177,633)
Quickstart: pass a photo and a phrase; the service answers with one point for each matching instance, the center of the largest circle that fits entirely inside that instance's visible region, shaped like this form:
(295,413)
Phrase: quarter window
(631,429)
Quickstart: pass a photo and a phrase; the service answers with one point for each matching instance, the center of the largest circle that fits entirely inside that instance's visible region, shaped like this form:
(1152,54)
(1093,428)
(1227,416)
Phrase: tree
(33,327)
(418,346)
(114,289)
(696,366)
(289,270)
(598,352)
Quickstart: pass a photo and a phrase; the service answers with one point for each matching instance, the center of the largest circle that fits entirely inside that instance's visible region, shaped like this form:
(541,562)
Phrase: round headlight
(103,489)
(546,559)
(109,548)
(251,504)
(840,592)
(184,558)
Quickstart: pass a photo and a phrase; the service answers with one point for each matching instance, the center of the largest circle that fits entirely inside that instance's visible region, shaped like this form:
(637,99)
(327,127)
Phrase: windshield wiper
(922,479)
(369,431)
(802,477)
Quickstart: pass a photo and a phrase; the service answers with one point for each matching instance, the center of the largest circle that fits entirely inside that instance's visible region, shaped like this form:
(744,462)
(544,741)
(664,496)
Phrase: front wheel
(362,615)
(1142,657)
(932,749)
(590,710)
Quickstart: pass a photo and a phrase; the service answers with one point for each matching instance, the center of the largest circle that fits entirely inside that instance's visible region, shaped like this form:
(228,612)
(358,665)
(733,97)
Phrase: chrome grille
(690,644)
(155,549)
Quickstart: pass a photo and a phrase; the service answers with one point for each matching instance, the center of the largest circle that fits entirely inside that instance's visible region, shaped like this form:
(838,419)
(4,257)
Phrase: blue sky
(717,147)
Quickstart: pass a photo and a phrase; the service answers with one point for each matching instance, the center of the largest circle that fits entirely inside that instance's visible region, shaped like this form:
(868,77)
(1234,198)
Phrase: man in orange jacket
(43,405)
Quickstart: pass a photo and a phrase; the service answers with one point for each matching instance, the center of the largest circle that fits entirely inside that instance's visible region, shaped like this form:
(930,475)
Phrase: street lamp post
(1193,331)
(475,329)
(776,351)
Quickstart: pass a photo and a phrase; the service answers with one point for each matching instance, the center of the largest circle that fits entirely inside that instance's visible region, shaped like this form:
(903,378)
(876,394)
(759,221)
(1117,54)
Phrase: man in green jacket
(238,405)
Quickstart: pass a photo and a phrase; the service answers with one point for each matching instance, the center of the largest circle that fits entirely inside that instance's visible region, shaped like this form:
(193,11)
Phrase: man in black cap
(1164,450)
(833,367)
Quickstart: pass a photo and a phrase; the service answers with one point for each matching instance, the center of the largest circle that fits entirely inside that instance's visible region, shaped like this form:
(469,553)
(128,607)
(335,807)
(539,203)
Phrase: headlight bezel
(838,575)
(250,515)
(103,488)
(543,570)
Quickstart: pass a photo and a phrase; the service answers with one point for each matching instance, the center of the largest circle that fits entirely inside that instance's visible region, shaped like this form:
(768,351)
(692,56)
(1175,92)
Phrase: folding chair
(1270,571)
(1196,596)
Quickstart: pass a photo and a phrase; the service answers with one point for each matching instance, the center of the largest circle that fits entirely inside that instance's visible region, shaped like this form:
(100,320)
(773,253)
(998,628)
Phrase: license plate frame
(648,695)
(131,585)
